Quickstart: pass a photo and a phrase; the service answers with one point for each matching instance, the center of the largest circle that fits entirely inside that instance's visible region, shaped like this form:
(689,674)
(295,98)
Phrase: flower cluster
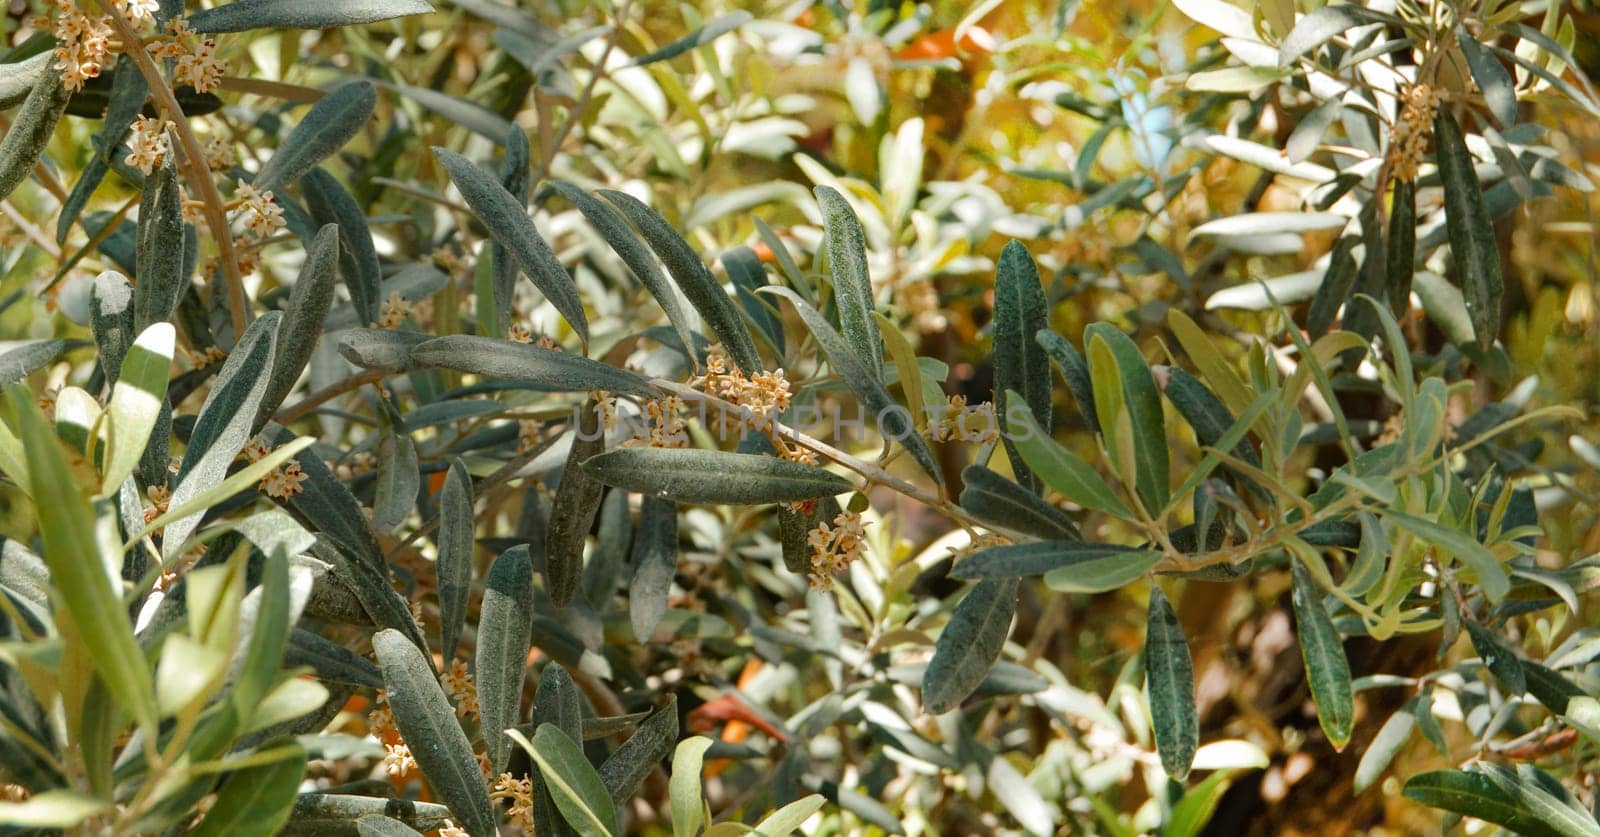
(1412,130)
(519,790)
(281,482)
(666,428)
(966,424)
(834,547)
(520,333)
(394,312)
(397,758)
(84,44)
(262,215)
(159,498)
(196,57)
(459,685)
(149,144)
(763,396)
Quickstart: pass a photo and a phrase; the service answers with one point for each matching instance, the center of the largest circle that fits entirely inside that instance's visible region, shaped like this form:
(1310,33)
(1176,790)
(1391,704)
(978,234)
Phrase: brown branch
(194,164)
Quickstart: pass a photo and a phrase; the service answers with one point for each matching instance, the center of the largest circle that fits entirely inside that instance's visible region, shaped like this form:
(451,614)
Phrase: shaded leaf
(994,499)
(161,272)
(330,123)
(1327,669)
(550,369)
(572,514)
(655,561)
(626,768)
(1472,244)
(30,130)
(241,15)
(1474,795)
(505,629)
(1169,672)
(852,286)
(692,277)
(304,313)
(969,645)
(1020,362)
(331,203)
(427,721)
(1501,660)
(455,555)
(713,477)
(508,222)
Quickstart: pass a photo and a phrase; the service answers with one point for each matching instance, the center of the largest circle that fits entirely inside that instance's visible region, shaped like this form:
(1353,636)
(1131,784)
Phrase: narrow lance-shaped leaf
(1147,421)
(508,223)
(655,559)
(684,789)
(852,286)
(428,723)
(514,177)
(325,128)
(1335,288)
(1072,566)
(556,702)
(549,369)
(713,29)
(257,800)
(693,278)
(111,320)
(894,421)
(715,477)
(1383,747)
(241,15)
(1020,363)
(331,203)
(301,328)
(160,261)
(574,785)
(1499,657)
(626,768)
(1474,795)
(1065,471)
(1169,672)
(505,627)
(399,480)
(136,402)
(1074,370)
(1327,669)
(455,555)
(79,578)
(1402,243)
(223,426)
(1496,85)
(633,252)
(31,128)
(969,644)
(1472,244)
(992,498)
(572,513)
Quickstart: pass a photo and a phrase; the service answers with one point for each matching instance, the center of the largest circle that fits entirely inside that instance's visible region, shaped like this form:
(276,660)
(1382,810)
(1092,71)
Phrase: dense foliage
(919,418)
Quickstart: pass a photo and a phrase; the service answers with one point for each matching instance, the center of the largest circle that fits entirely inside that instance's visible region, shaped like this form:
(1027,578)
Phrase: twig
(194,163)
(305,406)
(574,114)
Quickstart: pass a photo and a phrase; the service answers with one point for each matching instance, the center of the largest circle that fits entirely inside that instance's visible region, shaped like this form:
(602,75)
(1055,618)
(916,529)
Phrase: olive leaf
(626,768)
(992,498)
(304,313)
(852,287)
(331,203)
(693,278)
(969,644)
(241,15)
(1021,364)
(633,252)
(549,369)
(1327,669)
(655,561)
(505,627)
(508,223)
(330,123)
(1472,244)
(223,426)
(1073,566)
(576,503)
(713,477)
(160,265)
(455,555)
(1169,675)
(24,142)
(428,723)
